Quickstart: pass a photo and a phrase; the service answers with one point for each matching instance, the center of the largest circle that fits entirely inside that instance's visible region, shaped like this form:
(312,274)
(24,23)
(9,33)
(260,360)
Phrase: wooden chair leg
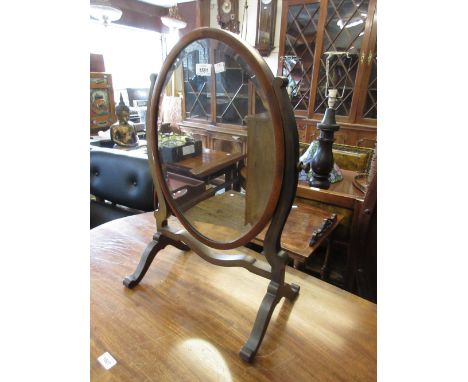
(324,270)
(350,272)
(296,264)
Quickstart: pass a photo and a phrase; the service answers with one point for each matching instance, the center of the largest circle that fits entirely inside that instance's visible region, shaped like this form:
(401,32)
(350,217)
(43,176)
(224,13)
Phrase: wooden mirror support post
(287,154)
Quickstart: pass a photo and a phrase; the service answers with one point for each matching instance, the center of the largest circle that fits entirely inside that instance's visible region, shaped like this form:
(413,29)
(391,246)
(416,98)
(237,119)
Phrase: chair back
(122,179)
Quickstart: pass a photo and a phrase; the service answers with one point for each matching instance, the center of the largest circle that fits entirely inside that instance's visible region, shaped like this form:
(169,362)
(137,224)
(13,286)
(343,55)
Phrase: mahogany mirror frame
(265,78)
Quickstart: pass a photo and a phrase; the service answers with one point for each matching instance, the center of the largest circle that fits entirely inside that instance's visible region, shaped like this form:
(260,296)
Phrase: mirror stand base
(274,294)
(159,242)
(274,270)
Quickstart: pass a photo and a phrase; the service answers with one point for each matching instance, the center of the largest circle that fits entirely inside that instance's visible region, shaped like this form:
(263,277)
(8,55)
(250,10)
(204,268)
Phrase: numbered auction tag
(203,69)
(107,361)
(186,150)
(219,67)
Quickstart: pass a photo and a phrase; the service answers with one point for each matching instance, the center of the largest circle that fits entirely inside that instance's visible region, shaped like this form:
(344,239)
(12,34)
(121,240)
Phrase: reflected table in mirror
(210,165)
(173,326)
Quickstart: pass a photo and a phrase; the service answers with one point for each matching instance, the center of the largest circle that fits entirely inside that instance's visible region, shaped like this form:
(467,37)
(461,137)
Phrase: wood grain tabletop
(188,319)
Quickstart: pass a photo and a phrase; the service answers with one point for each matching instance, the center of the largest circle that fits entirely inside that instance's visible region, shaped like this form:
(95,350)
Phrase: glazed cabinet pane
(231,89)
(196,87)
(370,104)
(299,51)
(344,32)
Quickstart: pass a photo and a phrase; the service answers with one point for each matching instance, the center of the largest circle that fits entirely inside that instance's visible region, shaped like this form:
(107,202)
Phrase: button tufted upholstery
(121,179)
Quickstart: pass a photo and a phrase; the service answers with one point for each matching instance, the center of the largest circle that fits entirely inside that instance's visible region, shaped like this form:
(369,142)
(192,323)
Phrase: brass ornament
(123,132)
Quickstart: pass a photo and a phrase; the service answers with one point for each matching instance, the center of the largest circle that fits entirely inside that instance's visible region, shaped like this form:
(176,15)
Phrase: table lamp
(322,161)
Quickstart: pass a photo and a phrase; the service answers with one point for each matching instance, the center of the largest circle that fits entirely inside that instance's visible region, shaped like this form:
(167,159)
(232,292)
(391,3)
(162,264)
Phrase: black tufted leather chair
(121,184)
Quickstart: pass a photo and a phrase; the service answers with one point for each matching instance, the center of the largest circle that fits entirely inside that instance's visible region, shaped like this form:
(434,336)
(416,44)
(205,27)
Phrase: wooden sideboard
(348,134)
(230,139)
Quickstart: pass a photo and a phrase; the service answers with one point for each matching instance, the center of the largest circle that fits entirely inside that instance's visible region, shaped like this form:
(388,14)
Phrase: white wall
(272,59)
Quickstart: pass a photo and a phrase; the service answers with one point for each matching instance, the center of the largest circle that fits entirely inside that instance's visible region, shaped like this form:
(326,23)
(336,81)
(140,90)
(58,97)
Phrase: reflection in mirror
(222,195)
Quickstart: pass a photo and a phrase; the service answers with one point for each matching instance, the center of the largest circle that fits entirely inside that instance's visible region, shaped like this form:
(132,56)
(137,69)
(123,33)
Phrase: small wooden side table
(209,165)
(297,233)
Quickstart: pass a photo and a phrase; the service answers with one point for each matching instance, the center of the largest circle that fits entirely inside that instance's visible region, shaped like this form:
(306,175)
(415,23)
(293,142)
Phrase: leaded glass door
(231,88)
(367,107)
(197,87)
(297,51)
(346,29)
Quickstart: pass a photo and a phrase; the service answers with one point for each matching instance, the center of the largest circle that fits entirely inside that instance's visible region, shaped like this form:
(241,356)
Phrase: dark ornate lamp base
(319,181)
(322,162)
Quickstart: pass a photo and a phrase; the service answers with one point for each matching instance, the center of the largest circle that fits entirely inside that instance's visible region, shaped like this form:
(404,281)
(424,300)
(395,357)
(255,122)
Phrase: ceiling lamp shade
(104,12)
(173,20)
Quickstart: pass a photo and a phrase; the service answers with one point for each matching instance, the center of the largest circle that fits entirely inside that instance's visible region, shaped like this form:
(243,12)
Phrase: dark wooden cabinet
(309,29)
(229,139)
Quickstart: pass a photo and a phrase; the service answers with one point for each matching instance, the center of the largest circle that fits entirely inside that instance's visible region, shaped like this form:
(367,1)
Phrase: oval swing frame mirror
(284,148)
(264,77)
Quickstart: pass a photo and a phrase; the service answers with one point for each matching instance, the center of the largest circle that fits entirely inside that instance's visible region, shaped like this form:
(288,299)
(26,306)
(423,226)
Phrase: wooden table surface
(188,319)
(209,162)
(342,193)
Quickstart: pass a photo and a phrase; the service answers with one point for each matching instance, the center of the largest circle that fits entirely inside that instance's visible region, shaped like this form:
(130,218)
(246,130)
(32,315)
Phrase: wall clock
(228,15)
(266,18)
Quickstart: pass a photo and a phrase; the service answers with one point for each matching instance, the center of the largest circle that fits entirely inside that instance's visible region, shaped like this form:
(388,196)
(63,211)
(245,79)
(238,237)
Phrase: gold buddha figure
(123,132)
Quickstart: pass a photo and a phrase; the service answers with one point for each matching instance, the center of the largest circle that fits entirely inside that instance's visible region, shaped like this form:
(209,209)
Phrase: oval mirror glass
(216,141)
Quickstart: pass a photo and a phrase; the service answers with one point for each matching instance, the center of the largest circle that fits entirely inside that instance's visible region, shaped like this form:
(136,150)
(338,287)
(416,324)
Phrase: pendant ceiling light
(173,20)
(103,11)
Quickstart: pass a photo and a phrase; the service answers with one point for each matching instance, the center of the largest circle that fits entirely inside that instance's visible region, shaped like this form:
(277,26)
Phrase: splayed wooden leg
(159,242)
(290,291)
(274,293)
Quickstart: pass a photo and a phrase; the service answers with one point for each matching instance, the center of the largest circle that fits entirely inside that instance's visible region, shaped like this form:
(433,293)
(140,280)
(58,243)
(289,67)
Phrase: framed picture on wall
(102,106)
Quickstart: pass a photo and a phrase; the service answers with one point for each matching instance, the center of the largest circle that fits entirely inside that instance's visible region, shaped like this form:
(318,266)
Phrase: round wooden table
(188,319)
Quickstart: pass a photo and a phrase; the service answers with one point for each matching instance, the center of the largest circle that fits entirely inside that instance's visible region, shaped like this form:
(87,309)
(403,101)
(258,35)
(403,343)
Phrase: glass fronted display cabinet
(310,29)
(218,97)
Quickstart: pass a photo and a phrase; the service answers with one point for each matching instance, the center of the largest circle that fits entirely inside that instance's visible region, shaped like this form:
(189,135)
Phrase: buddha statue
(123,132)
